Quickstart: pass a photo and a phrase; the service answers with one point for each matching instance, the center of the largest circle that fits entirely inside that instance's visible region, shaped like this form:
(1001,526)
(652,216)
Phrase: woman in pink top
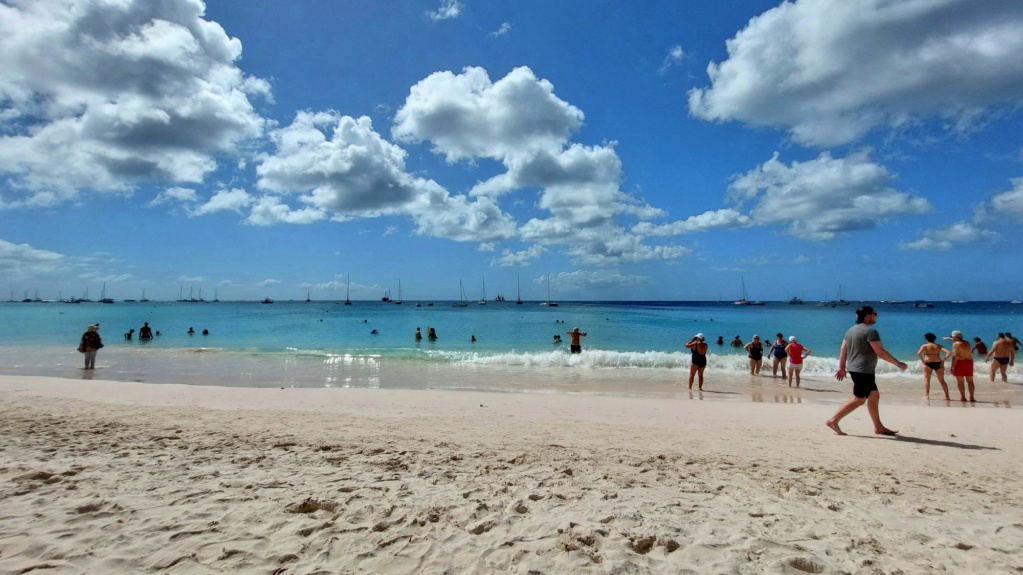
(797,354)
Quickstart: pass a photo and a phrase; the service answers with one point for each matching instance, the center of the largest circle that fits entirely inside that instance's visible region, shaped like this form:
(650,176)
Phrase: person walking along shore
(861,348)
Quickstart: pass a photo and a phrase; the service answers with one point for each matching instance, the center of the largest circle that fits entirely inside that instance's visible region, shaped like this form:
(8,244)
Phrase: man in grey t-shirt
(858,357)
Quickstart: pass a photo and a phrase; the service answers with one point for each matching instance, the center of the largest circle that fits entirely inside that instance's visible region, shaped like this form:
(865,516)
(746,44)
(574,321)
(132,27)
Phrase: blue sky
(646,151)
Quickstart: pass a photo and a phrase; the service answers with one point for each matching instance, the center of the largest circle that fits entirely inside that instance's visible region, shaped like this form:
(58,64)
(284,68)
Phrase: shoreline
(119,476)
(202,367)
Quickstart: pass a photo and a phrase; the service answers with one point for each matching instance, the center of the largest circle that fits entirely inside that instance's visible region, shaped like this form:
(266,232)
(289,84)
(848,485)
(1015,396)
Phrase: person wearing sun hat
(861,348)
(797,353)
(90,344)
(699,358)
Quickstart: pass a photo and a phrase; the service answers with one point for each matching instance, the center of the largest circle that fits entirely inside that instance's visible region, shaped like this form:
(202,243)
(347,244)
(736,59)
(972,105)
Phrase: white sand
(102,477)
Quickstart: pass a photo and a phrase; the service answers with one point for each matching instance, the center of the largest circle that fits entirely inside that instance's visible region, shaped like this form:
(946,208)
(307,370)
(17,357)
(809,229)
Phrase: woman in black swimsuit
(930,355)
(699,358)
(756,355)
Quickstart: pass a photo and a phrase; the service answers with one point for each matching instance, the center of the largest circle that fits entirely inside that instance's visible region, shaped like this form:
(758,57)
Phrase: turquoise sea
(326,343)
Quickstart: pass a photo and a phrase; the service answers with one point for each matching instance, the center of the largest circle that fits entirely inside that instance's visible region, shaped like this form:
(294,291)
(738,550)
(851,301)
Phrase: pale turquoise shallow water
(325,343)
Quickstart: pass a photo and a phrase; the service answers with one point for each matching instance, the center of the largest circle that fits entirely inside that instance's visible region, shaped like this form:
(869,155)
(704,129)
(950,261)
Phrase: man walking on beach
(858,356)
(962,364)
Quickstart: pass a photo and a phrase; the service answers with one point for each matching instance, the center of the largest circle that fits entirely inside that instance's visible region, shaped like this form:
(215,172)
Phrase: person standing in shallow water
(755,349)
(861,348)
(931,357)
(699,358)
(90,344)
(575,343)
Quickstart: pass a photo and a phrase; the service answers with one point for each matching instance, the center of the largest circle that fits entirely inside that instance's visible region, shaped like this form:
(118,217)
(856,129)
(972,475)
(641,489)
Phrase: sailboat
(103,295)
(483,300)
(348,290)
(462,302)
(307,300)
(215,298)
(518,294)
(838,295)
(398,301)
(143,300)
(745,297)
(548,303)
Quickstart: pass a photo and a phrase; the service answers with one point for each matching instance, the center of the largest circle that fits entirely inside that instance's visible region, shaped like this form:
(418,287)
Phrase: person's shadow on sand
(934,442)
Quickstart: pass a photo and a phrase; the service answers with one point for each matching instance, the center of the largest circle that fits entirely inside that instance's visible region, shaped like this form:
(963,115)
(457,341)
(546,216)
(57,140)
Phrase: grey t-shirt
(859,355)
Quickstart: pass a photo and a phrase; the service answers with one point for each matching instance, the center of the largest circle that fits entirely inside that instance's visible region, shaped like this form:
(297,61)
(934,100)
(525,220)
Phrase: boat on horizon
(348,290)
(461,302)
(398,301)
(267,300)
(483,300)
(518,293)
(745,297)
(103,295)
(548,303)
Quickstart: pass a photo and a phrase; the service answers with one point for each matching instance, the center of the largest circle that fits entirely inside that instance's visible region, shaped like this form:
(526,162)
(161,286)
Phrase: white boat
(745,297)
(143,300)
(398,301)
(462,302)
(483,300)
(348,290)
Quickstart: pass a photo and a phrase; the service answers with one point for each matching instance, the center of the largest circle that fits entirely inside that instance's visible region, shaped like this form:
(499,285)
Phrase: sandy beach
(119,477)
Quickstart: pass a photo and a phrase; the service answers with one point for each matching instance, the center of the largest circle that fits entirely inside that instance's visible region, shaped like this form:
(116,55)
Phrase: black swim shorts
(863,384)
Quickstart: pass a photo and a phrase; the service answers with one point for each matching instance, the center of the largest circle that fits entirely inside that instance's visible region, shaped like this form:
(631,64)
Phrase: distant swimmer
(755,350)
(721,340)
(205,332)
(979,346)
(128,335)
(698,360)
(797,353)
(419,334)
(933,356)
(472,339)
(190,331)
(575,343)
(1004,354)
(736,342)
(431,333)
(145,332)
(557,339)
(962,364)
(373,332)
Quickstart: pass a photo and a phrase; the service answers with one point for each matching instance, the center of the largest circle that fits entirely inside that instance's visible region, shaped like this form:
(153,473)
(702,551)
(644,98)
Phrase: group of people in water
(91,341)
(934,355)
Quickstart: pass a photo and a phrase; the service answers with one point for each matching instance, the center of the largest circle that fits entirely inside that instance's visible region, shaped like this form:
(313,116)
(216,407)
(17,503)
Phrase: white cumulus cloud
(829,71)
(105,95)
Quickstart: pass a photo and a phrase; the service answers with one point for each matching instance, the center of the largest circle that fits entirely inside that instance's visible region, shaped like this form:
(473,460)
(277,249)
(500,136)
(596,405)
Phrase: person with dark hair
(1004,354)
(779,357)
(861,348)
(930,355)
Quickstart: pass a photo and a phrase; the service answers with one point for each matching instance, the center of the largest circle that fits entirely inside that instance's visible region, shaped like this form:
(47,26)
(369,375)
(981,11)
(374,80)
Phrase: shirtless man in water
(962,364)
(575,343)
(1004,353)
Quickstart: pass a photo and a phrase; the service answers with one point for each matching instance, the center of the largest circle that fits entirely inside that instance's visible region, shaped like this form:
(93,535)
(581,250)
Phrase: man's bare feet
(834,427)
(885,431)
